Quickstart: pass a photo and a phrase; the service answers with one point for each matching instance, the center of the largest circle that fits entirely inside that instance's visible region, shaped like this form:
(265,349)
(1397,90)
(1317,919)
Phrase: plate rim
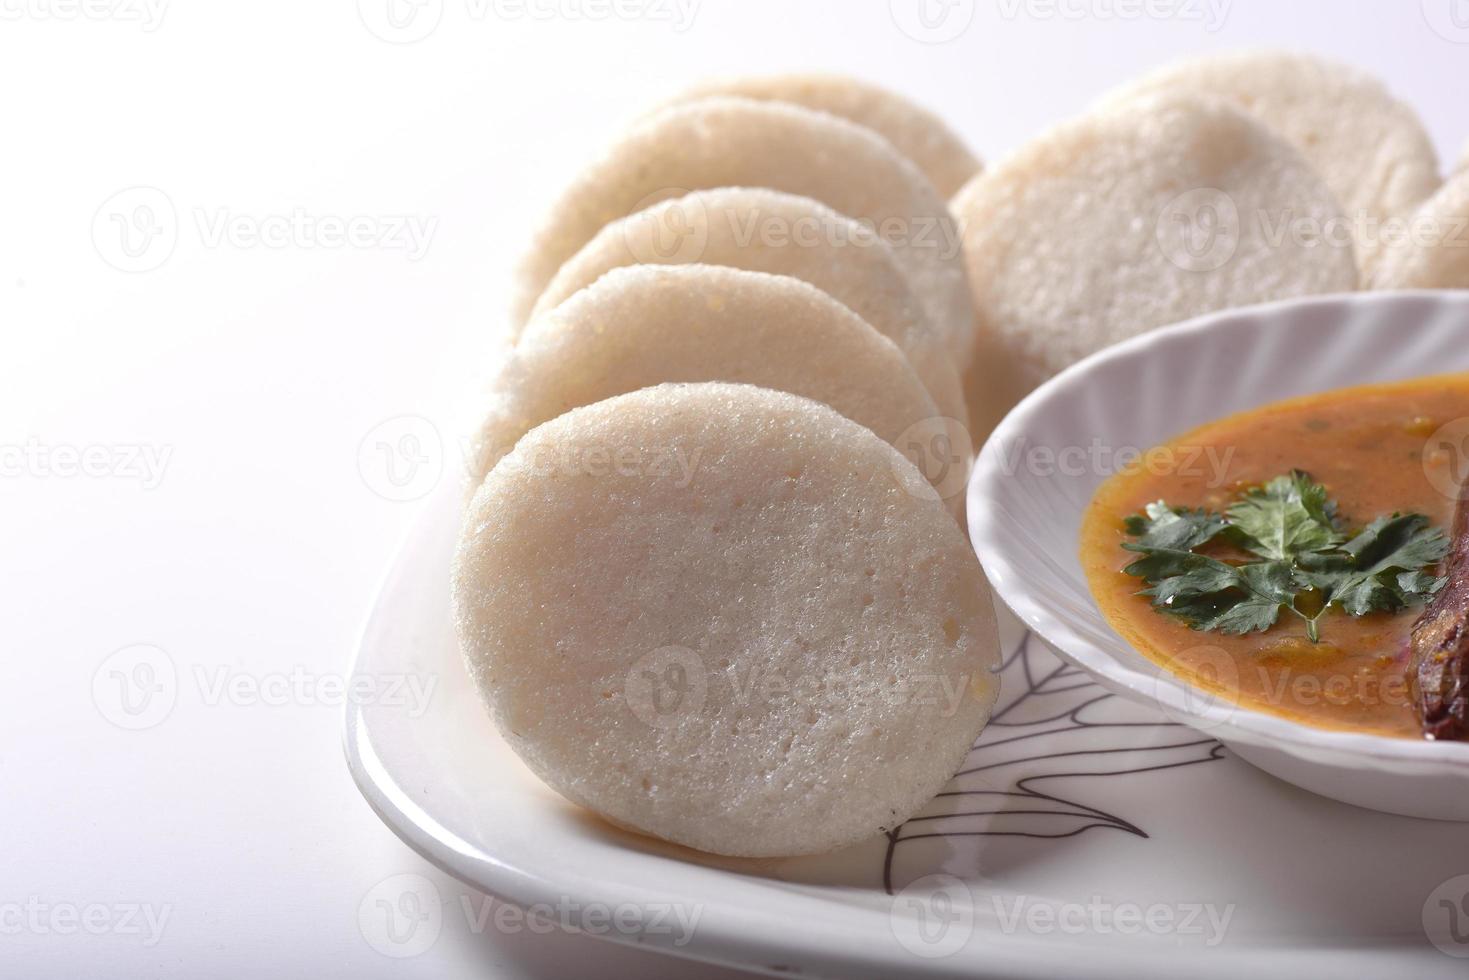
(752,937)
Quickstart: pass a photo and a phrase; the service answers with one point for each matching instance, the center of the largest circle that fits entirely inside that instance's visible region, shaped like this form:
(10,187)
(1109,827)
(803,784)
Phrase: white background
(261,368)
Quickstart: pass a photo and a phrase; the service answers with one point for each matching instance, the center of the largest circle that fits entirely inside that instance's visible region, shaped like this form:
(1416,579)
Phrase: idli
(731,142)
(1129,219)
(717,614)
(1372,149)
(918,134)
(767,231)
(1433,252)
(640,326)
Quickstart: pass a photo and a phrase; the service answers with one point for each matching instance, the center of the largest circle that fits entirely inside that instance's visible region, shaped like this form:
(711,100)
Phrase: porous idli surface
(767,231)
(914,131)
(640,326)
(1371,148)
(1433,250)
(750,636)
(734,142)
(1131,218)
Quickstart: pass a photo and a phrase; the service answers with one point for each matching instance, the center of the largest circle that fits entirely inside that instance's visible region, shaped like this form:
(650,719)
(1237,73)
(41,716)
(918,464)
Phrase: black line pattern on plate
(1060,703)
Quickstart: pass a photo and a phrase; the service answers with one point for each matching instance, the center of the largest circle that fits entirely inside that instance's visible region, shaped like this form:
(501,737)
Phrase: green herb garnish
(1305,561)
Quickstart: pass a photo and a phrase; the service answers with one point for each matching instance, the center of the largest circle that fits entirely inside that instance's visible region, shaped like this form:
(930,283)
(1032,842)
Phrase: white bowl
(1025,520)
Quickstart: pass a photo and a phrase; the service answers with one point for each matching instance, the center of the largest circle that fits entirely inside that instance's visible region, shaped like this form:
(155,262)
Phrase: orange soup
(1377,450)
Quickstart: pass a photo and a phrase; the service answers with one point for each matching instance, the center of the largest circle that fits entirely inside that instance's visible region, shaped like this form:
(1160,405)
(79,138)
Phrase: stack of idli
(710,583)
(1221,181)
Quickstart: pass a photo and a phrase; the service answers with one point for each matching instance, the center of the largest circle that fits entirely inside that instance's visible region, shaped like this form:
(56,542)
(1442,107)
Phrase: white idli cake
(1434,252)
(722,616)
(915,132)
(640,326)
(1370,148)
(732,142)
(767,231)
(1146,214)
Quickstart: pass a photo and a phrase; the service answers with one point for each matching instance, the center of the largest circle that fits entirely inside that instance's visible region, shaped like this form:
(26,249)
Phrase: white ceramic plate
(1077,813)
(1025,518)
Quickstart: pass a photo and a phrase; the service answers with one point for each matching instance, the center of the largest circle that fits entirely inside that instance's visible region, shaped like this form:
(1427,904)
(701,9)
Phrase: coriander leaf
(1306,564)
(1192,575)
(1210,595)
(1170,528)
(1421,584)
(1324,570)
(1402,541)
(1388,557)
(1289,516)
(1158,564)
